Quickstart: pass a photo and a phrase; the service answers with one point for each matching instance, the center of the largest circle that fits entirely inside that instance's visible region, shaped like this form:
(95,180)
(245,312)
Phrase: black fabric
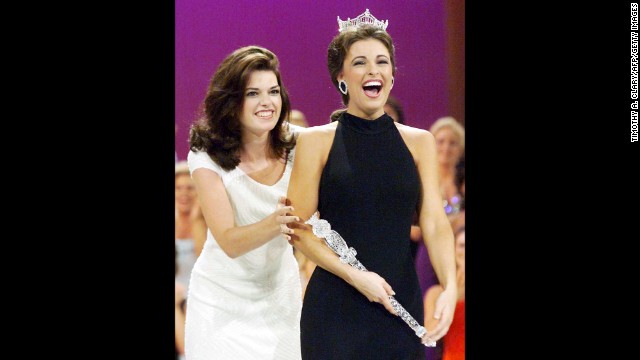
(369,190)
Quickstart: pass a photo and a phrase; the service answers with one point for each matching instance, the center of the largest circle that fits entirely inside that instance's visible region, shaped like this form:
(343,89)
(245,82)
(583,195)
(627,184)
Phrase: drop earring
(342,84)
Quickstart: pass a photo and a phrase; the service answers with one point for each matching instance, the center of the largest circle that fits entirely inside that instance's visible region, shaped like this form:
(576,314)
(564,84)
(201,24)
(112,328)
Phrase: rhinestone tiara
(363,19)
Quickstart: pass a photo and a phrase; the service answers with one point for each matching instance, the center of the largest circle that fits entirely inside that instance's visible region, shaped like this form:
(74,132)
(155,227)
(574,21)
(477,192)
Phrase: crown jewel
(363,19)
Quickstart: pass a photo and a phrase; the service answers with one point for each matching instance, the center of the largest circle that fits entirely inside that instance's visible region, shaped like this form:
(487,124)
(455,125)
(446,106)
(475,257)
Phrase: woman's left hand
(445,306)
(285,220)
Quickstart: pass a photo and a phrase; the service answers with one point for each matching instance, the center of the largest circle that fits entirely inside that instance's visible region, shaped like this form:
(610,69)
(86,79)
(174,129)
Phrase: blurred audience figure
(457,220)
(180,306)
(453,341)
(191,230)
(394,109)
(297,118)
(449,135)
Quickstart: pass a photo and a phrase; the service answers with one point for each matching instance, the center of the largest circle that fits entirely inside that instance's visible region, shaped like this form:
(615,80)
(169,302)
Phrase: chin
(272,125)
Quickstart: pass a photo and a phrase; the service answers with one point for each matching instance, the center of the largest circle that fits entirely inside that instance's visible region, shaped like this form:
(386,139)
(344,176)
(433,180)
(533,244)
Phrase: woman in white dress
(244,295)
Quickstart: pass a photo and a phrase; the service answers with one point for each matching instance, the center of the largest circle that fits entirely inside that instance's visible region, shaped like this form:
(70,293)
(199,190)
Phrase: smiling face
(262,103)
(368,71)
(185,193)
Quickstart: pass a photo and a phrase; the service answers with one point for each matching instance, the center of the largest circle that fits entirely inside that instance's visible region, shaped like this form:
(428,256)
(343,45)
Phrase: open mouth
(372,88)
(265,114)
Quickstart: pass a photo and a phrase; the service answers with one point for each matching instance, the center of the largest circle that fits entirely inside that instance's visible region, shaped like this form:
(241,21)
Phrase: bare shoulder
(318,135)
(417,140)
(314,143)
(414,134)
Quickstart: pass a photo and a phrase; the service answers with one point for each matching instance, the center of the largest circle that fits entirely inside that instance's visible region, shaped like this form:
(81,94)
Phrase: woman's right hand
(374,287)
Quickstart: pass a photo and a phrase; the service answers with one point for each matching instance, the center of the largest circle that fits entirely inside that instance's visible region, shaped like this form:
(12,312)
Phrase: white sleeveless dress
(248,307)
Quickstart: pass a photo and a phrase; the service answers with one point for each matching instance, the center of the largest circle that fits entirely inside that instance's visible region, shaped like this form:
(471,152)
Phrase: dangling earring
(342,83)
(393,80)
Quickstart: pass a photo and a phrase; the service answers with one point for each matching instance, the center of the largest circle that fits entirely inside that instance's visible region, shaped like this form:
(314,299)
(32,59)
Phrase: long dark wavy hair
(339,47)
(218,130)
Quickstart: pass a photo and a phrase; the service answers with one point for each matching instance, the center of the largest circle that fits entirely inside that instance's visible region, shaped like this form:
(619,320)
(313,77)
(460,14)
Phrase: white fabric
(247,307)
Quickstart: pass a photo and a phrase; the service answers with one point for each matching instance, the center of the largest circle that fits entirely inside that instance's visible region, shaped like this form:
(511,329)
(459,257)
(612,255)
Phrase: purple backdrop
(298,32)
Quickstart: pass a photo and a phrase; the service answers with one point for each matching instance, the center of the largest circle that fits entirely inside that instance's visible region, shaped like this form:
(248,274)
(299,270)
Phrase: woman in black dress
(366,175)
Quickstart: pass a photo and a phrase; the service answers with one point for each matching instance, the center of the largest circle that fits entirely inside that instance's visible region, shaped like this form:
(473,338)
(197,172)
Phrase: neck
(367,115)
(254,148)
(183,215)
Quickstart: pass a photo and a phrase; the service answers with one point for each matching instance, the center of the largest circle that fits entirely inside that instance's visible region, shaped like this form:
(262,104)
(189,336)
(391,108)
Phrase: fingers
(282,205)
(387,305)
(388,289)
(285,230)
(283,219)
(375,288)
(443,325)
(427,341)
(283,210)
(438,332)
(385,299)
(283,201)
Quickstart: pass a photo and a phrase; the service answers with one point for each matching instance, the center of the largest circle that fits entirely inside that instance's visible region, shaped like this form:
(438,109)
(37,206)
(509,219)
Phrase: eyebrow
(364,57)
(271,88)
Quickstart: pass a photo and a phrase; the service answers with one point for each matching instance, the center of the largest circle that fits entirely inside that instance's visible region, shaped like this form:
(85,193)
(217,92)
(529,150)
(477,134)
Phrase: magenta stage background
(298,32)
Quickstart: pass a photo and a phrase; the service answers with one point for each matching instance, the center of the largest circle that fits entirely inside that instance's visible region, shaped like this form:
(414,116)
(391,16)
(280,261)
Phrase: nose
(373,69)
(264,99)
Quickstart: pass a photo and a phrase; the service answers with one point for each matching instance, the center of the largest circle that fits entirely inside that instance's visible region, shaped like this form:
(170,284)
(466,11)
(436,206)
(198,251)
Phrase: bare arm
(311,153)
(218,214)
(437,233)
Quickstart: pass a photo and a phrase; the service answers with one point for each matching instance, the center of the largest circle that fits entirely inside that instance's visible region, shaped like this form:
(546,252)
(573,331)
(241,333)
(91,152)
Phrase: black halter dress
(369,190)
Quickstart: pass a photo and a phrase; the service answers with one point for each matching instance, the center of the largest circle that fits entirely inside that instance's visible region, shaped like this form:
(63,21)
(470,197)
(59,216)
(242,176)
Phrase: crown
(363,19)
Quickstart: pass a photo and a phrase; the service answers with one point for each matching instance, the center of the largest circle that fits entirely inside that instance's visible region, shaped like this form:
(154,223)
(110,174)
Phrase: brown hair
(339,47)
(395,105)
(218,130)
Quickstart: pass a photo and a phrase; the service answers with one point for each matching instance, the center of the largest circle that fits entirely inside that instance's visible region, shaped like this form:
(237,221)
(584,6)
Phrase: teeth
(263,113)
(373,83)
